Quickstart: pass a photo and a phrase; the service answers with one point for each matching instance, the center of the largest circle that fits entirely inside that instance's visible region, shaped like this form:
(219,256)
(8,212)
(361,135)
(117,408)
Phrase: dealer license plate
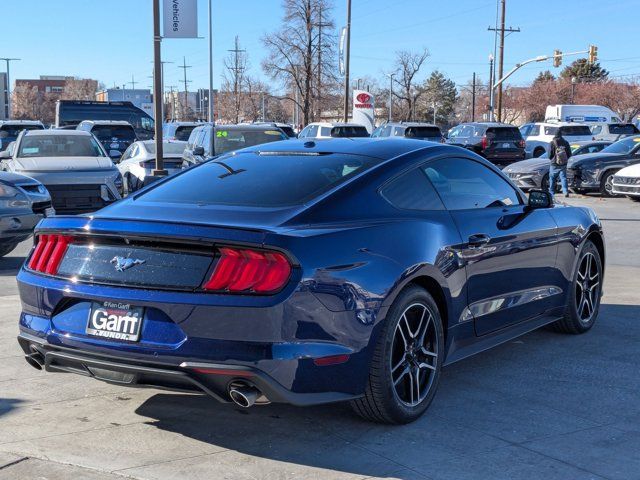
(115,320)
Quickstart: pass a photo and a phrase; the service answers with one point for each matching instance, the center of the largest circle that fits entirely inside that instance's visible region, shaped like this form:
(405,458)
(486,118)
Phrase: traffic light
(593,54)
(557,58)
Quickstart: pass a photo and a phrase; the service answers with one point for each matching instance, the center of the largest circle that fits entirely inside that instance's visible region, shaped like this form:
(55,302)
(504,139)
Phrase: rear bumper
(212,379)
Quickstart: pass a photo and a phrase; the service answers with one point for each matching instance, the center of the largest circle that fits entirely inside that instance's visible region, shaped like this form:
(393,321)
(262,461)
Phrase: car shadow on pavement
(9,404)
(9,266)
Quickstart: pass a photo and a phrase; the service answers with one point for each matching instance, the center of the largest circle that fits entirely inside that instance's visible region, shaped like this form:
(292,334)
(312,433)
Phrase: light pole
(157,91)
(8,60)
(346,63)
(491,87)
(210,104)
(390,75)
(574,82)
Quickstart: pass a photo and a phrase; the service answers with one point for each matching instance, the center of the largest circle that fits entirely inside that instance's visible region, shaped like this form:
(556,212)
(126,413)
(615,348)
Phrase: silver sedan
(139,160)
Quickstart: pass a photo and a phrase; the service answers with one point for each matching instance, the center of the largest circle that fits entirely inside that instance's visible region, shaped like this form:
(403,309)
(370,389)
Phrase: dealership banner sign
(180,18)
(363,109)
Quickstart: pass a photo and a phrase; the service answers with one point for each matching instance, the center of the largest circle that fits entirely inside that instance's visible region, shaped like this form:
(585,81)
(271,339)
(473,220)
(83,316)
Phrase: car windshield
(14,130)
(622,146)
(59,146)
(167,147)
(230,140)
(623,129)
(504,133)
(108,132)
(257,180)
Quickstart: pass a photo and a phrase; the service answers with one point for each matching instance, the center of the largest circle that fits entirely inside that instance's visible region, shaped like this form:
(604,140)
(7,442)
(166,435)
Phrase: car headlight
(118,181)
(7,191)
(42,189)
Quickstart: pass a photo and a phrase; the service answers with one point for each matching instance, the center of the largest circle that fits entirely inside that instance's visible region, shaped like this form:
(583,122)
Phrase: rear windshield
(349,131)
(59,146)
(230,140)
(108,132)
(622,129)
(174,148)
(422,132)
(14,130)
(504,133)
(183,132)
(574,131)
(622,146)
(253,180)
(288,131)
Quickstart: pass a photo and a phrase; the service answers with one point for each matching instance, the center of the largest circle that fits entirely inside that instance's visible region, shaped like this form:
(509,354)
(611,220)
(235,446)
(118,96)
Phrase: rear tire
(407,360)
(583,301)
(538,152)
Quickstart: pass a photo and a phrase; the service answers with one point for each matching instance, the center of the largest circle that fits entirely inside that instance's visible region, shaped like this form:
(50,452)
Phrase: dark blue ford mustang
(347,269)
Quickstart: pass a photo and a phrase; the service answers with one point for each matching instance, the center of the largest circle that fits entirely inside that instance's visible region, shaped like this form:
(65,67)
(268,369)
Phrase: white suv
(332,130)
(537,136)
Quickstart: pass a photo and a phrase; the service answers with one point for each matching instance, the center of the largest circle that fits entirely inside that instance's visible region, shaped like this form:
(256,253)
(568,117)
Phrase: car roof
(153,142)
(488,124)
(51,131)
(107,122)
(410,124)
(182,124)
(591,142)
(20,122)
(560,124)
(370,147)
(244,126)
(336,124)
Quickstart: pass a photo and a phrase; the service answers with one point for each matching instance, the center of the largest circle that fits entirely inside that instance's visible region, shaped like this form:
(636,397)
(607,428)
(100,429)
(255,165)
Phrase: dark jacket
(555,143)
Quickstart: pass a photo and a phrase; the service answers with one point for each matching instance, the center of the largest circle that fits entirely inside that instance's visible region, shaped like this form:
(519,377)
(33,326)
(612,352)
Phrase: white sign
(180,18)
(363,109)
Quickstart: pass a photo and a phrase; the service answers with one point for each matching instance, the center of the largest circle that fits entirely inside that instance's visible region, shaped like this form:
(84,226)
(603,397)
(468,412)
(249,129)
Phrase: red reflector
(485,142)
(222,371)
(248,270)
(48,253)
(331,360)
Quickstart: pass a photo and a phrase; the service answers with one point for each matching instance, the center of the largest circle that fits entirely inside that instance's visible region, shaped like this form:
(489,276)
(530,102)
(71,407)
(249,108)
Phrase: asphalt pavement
(544,406)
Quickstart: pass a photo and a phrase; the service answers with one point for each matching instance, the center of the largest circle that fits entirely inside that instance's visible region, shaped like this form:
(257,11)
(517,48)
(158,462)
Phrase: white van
(589,114)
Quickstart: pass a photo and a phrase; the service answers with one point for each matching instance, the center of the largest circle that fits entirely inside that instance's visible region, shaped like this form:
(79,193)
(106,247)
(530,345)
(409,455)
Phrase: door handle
(478,240)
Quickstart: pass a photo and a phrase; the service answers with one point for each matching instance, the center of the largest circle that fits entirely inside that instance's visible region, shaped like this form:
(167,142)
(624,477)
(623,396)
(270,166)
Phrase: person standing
(559,153)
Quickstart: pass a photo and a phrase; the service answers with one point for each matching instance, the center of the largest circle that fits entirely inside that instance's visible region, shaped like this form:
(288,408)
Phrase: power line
(186,82)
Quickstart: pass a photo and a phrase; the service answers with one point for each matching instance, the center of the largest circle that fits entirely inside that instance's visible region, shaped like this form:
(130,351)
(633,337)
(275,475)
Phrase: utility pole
(133,83)
(490,87)
(320,26)
(390,75)
(473,98)
(237,69)
(346,63)
(157,91)
(501,30)
(185,108)
(210,102)
(9,60)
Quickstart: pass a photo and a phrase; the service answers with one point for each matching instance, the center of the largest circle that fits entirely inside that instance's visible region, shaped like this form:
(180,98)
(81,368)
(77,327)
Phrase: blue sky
(112,40)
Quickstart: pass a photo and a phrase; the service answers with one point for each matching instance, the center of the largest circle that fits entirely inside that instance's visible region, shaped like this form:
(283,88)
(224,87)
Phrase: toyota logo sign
(363,98)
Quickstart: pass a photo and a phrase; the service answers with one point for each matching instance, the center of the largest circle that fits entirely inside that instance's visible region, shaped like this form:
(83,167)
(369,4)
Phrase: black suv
(417,130)
(204,143)
(500,143)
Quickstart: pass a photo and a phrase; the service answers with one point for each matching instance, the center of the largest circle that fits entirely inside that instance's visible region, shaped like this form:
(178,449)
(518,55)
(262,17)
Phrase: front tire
(406,364)
(584,298)
(606,185)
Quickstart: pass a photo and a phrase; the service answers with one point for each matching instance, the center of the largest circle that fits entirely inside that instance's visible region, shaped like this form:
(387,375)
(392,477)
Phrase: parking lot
(543,406)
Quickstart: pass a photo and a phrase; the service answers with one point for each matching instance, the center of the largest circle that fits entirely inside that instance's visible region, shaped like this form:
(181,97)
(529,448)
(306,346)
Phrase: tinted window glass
(535,131)
(422,132)
(288,131)
(412,191)
(349,131)
(171,148)
(504,133)
(628,129)
(249,179)
(14,130)
(59,146)
(107,132)
(575,130)
(325,131)
(465,184)
(183,132)
(230,140)
(550,130)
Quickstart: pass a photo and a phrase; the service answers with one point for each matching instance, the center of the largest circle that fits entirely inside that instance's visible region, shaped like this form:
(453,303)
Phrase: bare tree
(407,66)
(79,89)
(27,103)
(234,76)
(301,54)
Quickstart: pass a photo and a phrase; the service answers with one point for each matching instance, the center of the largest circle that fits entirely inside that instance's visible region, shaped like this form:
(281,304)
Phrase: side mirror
(198,151)
(5,154)
(539,199)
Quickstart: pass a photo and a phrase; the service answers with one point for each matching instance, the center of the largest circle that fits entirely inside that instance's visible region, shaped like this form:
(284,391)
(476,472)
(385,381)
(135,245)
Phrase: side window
(193,137)
(525,129)
(304,133)
(325,132)
(376,132)
(313,131)
(127,152)
(534,131)
(550,130)
(465,184)
(412,191)
(386,131)
(596,129)
(454,132)
(398,132)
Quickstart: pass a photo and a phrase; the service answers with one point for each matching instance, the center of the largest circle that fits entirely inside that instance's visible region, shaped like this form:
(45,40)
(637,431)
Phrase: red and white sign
(363,109)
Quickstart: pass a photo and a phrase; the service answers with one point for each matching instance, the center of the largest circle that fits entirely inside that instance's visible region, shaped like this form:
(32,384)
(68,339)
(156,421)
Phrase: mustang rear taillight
(48,253)
(247,270)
